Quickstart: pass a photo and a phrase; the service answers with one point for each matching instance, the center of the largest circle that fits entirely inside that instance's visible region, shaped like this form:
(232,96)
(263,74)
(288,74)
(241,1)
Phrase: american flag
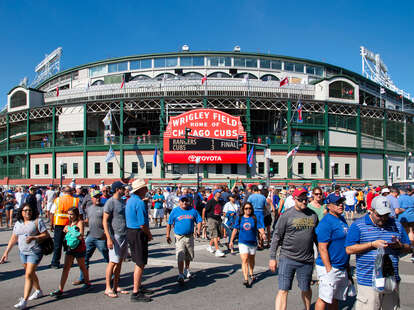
(293,152)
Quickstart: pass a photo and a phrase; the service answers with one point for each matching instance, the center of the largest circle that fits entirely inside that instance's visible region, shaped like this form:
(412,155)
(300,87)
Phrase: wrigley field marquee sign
(206,125)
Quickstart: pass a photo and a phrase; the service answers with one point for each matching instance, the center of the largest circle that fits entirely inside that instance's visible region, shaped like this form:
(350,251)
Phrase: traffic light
(271,170)
(240,141)
(187,131)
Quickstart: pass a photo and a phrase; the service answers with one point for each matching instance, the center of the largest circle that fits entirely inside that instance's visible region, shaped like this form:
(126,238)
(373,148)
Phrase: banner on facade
(207,124)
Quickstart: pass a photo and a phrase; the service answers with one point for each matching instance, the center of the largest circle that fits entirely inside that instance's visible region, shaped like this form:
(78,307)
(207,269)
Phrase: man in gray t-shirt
(96,235)
(114,224)
(295,234)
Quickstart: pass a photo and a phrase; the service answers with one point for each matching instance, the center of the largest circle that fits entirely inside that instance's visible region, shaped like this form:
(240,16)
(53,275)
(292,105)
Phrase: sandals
(111,294)
(56,293)
(253,278)
(121,291)
(246,283)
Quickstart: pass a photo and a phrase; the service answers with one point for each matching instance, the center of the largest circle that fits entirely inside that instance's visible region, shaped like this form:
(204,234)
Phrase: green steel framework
(121,147)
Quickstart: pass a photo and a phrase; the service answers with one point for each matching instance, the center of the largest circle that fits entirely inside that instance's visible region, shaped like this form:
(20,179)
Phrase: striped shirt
(363,230)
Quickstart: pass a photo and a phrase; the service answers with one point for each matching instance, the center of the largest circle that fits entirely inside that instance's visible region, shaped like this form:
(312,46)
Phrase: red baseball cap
(378,189)
(299,191)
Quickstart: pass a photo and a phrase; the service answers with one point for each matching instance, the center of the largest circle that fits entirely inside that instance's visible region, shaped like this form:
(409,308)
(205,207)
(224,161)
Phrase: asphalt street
(216,282)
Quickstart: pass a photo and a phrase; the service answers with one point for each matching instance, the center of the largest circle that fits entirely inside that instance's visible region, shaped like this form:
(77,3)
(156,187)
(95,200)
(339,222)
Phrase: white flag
(110,155)
(246,78)
(382,90)
(108,119)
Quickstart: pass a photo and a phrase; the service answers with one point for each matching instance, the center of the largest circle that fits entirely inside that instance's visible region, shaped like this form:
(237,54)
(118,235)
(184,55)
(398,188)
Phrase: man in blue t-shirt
(332,262)
(367,234)
(158,200)
(183,219)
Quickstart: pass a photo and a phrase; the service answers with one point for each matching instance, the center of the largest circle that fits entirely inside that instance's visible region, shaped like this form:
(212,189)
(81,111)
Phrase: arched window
(342,90)
(167,76)
(269,77)
(243,75)
(140,77)
(18,99)
(98,82)
(220,75)
(193,76)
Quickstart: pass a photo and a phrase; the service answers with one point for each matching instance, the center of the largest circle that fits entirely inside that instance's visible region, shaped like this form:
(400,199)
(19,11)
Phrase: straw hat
(138,184)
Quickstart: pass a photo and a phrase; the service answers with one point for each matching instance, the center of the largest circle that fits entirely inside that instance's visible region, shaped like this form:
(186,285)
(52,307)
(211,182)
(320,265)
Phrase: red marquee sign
(205,123)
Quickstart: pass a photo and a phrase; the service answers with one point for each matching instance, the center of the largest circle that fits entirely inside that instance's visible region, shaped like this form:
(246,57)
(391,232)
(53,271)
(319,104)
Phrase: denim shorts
(33,258)
(287,270)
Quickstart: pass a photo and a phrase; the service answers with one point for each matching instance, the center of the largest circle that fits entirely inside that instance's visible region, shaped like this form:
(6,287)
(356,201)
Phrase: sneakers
(180,279)
(140,297)
(22,304)
(211,249)
(219,253)
(187,273)
(37,294)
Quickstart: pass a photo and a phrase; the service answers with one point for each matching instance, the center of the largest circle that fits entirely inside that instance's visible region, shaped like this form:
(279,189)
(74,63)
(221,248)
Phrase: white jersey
(350,197)
(50,197)
(289,203)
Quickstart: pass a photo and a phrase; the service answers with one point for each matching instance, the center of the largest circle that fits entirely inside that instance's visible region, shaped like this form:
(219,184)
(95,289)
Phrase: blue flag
(155,157)
(110,154)
(250,157)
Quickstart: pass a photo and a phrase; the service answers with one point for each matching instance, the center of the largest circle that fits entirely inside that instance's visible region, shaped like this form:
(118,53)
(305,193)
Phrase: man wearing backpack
(376,230)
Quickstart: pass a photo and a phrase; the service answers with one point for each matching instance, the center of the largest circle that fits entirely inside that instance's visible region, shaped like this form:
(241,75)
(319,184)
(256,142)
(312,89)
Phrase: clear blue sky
(328,31)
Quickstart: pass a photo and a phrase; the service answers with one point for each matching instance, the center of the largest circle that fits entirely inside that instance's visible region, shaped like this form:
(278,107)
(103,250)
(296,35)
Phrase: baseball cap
(378,189)
(96,193)
(184,198)
(299,191)
(216,191)
(78,186)
(93,186)
(116,185)
(334,199)
(381,205)
(385,190)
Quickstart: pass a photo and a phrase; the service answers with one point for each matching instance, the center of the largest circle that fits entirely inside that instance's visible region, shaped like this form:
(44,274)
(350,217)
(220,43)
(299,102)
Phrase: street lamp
(61,173)
(198,173)
(333,174)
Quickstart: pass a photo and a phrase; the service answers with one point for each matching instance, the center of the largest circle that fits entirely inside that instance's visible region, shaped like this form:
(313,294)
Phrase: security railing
(254,88)
(35,127)
(69,142)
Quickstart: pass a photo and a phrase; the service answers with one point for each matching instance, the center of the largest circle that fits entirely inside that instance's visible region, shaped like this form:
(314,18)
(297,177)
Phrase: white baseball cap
(381,205)
(385,190)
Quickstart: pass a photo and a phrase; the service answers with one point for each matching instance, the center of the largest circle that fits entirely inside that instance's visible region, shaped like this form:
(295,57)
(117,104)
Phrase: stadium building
(344,126)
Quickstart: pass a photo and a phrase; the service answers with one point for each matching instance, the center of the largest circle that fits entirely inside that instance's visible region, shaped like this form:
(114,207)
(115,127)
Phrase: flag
(284,81)
(204,79)
(123,81)
(349,92)
(293,152)
(246,78)
(57,91)
(250,157)
(300,119)
(110,154)
(88,85)
(155,157)
(108,119)
(382,90)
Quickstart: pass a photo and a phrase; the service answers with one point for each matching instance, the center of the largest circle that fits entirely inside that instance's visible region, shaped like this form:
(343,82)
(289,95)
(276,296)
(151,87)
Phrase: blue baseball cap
(217,191)
(184,198)
(334,199)
(93,186)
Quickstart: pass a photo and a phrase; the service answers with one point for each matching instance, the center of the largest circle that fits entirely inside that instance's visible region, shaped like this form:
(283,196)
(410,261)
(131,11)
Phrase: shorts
(367,299)
(138,243)
(168,211)
(247,249)
(333,285)
(33,258)
(120,249)
(287,270)
(79,252)
(8,208)
(184,247)
(260,218)
(49,206)
(214,227)
(349,208)
(267,220)
(158,213)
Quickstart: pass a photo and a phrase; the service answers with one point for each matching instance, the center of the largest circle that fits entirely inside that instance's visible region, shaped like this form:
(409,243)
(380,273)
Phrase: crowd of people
(303,229)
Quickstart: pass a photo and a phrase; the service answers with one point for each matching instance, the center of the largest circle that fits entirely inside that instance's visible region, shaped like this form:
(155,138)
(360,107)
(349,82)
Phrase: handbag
(47,245)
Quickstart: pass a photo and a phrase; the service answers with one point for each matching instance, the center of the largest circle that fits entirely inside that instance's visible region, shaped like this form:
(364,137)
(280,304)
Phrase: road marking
(405,278)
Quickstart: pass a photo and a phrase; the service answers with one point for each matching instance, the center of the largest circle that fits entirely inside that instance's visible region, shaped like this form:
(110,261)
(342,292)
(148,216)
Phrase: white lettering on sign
(191,117)
(193,158)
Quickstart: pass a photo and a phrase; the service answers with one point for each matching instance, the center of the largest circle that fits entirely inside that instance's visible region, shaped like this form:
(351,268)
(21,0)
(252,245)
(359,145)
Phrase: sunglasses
(27,210)
(318,194)
(302,199)
(248,208)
